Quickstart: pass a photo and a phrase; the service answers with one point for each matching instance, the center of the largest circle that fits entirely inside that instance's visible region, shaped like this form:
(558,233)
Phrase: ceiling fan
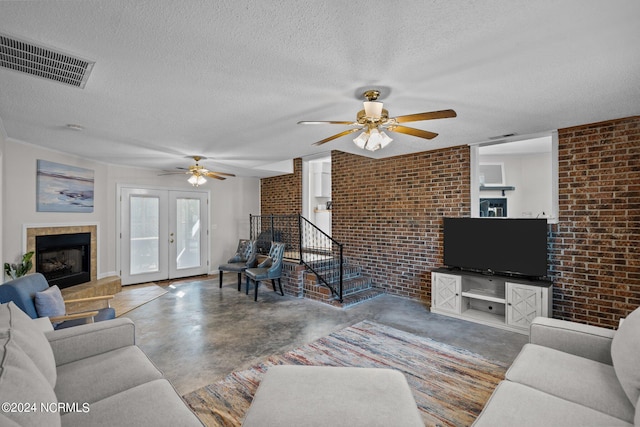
(374,119)
(198,172)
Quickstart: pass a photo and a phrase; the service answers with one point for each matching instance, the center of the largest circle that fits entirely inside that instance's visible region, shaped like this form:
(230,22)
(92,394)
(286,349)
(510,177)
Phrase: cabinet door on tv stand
(445,292)
(524,303)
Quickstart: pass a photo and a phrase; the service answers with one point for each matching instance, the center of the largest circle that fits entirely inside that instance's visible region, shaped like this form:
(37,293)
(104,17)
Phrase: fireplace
(64,259)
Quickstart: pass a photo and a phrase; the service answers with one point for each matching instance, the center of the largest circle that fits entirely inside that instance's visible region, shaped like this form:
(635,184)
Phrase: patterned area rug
(450,385)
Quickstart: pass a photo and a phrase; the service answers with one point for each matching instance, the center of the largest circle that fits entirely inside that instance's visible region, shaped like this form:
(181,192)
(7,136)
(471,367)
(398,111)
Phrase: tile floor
(197,333)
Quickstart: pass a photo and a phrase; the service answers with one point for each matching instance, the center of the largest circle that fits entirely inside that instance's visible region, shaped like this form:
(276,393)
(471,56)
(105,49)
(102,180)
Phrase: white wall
(531,176)
(231,203)
(2,204)
(318,173)
(19,198)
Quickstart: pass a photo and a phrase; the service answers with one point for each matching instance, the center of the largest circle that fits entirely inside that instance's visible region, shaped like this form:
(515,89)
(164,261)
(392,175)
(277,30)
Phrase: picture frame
(63,188)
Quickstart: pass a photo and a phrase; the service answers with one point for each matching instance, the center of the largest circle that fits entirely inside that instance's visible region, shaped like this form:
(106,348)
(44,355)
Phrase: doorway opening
(316,192)
(521,174)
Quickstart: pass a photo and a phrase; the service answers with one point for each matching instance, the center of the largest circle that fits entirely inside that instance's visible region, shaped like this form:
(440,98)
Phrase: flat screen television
(510,246)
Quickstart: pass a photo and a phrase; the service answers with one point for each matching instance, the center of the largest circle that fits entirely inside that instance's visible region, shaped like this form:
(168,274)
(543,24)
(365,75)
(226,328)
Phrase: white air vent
(40,61)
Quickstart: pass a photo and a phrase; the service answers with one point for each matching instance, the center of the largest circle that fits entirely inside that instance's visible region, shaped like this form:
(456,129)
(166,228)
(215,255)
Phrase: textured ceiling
(230,79)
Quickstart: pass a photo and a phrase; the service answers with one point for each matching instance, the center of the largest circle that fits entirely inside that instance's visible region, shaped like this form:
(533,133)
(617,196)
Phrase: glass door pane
(187,233)
(145,234)
(188,246)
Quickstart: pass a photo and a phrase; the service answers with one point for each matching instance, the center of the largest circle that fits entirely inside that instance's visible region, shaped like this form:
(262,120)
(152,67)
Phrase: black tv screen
(498,245)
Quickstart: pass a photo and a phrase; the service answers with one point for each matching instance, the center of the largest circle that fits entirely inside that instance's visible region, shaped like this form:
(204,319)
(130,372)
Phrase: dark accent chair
(22,291)
(269,269)
(244,258)
(263,242)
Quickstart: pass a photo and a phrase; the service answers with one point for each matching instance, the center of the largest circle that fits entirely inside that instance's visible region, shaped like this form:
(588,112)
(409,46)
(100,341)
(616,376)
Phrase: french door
(163,234)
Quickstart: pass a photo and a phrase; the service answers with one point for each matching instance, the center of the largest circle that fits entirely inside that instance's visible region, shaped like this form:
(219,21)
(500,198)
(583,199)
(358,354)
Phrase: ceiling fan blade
(214,175)
(338,135)
(443,114)
(221,173)
(172,173)
(330,122)
(413,131)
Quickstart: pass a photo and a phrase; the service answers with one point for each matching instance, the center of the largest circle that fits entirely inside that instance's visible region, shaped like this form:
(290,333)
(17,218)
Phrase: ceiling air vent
(27,57)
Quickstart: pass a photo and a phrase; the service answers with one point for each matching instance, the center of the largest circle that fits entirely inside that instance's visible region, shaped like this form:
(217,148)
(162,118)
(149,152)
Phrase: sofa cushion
(625,349)
(155,403)
(513,404)
(21,382)
(592,342)
(6,422)
(49,303)
(95,378)
(88,340)
(574,378)
(30,338)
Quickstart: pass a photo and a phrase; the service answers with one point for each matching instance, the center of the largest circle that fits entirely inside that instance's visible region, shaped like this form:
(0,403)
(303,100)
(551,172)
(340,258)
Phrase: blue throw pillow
(49,303)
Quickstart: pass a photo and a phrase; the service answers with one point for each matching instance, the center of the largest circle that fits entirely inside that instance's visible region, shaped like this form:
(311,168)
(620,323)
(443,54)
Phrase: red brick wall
(595,258)
(388,213)
(282,195)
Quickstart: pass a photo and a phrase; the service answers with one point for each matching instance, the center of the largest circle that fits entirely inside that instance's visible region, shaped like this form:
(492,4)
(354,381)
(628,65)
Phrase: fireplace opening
(64,259)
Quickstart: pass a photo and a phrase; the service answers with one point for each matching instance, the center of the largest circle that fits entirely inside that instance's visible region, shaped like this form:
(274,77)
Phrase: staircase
(356,287)
(323,274)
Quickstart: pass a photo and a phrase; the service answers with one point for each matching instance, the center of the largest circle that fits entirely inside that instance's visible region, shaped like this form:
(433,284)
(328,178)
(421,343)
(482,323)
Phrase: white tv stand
(504,302)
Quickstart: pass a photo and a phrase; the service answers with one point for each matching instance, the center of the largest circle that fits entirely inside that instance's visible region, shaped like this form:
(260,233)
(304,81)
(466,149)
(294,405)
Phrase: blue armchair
(22,291)
(269,269)
(244,258)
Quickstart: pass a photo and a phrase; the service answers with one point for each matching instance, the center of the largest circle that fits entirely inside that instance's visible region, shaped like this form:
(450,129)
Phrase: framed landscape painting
(63,188)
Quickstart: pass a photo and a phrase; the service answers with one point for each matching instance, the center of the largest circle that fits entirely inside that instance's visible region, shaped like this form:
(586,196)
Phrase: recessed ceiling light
(75,127)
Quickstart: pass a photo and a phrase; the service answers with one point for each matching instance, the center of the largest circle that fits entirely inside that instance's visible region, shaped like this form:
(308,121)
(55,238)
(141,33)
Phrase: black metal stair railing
(305,243)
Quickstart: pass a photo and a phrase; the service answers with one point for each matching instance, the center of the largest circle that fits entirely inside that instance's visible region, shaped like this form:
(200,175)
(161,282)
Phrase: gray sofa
(88,375)
(571,374)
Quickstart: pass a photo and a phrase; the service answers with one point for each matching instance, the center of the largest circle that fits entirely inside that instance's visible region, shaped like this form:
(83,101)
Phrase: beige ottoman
(326,396)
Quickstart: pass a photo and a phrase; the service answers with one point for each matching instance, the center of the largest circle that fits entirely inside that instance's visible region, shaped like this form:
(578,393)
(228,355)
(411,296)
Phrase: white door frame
(119,188)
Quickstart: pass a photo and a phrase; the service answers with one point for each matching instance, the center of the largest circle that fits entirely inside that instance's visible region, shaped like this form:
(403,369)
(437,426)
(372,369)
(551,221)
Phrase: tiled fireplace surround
(96,287)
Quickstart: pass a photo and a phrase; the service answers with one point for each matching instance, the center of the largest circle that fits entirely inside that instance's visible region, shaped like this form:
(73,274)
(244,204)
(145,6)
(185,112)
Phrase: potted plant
(17,270)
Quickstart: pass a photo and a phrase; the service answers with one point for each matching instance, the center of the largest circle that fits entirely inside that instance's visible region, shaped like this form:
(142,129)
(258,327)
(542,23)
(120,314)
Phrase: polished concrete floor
(197,333)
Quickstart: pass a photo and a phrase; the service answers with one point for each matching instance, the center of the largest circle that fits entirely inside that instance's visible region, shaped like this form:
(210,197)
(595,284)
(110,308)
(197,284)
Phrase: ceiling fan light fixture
(386,139)
(373,109)
(361,140)
(372,140)
(374,117)
(196,180)
(375,140)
